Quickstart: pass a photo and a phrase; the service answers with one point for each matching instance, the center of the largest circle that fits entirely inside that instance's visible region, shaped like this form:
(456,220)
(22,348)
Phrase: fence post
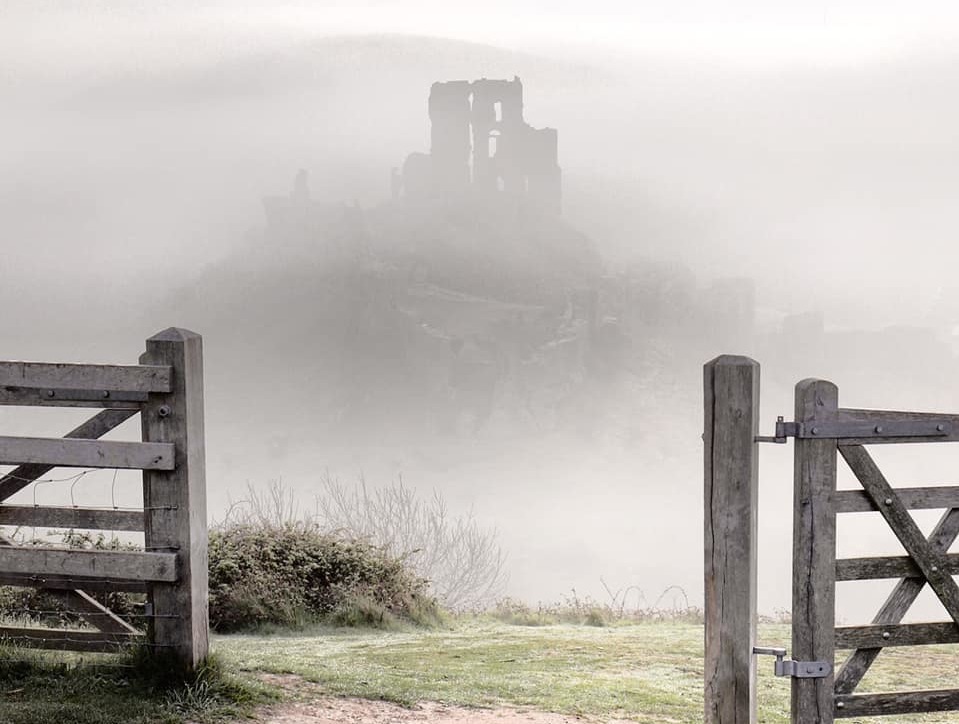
(175,501)
(731,386)
(814,552)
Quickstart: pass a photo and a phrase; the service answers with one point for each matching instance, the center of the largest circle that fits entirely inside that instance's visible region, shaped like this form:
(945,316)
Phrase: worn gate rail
(166,389)
(823,432)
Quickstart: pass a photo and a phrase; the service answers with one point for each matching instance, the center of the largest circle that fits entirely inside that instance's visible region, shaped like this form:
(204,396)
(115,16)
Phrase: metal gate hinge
(858,429)
(795,669)
(783,430)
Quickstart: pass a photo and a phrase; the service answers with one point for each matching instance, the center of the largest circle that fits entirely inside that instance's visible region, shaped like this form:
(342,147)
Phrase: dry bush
(462,561)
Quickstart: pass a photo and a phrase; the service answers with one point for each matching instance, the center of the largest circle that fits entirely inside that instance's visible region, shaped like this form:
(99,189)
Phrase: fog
(784,156)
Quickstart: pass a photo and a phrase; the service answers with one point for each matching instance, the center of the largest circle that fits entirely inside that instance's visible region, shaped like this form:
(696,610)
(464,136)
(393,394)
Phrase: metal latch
(794,669)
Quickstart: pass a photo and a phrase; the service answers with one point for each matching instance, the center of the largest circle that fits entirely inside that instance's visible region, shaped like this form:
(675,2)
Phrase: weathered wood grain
(177,499)
(93,429)
(858,501)
(909,634)
(731,386)
(71,518)
(71,453)
(29,397)
(68,640)
(814,553)
(929,561)
(120,378)
(906,702)
(101,565)
(862,569)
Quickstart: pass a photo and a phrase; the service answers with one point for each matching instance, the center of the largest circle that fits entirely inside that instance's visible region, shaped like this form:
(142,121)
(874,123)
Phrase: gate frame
(166,388)
(823,432)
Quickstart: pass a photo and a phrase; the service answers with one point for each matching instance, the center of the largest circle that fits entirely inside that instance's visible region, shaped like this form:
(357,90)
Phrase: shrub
(294,574)
(462,560)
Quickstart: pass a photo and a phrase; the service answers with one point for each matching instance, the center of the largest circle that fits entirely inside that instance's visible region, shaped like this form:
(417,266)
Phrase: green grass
(56,688)
(648,672)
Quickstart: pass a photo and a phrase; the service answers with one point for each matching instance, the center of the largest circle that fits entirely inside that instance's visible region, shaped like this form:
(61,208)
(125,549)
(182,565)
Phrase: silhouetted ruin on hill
(480,144)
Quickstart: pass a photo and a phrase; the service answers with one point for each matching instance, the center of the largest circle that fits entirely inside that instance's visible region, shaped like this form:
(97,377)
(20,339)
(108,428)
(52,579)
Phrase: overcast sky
(836,31)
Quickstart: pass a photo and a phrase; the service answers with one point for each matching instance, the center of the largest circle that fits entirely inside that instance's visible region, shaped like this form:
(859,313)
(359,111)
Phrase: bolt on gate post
(731,386)
(174,501)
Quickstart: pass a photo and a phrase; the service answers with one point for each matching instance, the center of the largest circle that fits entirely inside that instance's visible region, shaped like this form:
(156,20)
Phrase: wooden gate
(823,432)
(166,389)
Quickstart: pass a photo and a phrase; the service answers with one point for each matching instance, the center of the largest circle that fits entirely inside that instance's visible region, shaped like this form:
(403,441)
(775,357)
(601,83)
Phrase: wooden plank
(858,501)
(905,702)
(896,605)
(177,499)
(26,397)
(54,639)
(862,569)
(70,583)
(70,453)
(71,518)
(814,553)
(93,429)
(731,387)
(910,634)
(104,565)
(120,378)
(927,558)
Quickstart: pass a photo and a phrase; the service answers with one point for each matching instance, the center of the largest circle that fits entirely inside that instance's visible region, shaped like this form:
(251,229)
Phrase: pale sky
(752,31)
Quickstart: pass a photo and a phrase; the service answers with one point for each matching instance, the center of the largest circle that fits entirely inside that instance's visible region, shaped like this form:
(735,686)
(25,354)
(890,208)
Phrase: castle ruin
(480,144)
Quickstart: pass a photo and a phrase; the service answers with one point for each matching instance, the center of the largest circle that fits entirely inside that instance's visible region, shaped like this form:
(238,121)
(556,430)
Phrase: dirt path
(312,707)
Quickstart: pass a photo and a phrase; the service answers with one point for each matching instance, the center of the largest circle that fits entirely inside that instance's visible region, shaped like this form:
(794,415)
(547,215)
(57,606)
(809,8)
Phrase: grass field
(646,672)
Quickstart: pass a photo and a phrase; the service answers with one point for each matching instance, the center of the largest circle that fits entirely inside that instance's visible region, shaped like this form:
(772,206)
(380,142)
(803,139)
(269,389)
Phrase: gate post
(814,552)
(175,501)
(731,386)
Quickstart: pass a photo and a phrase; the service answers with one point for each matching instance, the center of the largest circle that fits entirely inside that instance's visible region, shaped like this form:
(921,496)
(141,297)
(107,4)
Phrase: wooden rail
(61,452)
(103,565)
(858,501)
(102,378)
(68,639)
(71,518)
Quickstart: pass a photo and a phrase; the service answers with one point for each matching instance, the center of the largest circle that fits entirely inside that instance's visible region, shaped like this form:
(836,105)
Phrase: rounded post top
(174,334)
(732,360)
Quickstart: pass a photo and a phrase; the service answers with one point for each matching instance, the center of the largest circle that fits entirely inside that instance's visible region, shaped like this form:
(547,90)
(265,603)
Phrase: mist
(796,164)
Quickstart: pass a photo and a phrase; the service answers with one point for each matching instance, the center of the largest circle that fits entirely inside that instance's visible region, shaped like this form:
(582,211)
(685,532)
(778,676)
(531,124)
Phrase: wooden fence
(166,389)
(823,432)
